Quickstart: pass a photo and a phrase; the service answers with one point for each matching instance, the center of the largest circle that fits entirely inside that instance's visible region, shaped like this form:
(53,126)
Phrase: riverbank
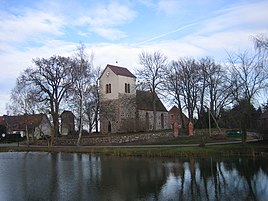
(249,149)
(153,144)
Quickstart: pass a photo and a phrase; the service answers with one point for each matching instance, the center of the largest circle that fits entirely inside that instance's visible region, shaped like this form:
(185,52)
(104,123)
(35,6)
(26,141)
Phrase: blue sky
(120,30)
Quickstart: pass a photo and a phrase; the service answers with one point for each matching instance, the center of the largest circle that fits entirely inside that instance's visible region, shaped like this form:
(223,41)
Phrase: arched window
(109,127)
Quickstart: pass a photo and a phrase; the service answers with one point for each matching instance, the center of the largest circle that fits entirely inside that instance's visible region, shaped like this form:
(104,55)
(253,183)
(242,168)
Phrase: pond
(65,176)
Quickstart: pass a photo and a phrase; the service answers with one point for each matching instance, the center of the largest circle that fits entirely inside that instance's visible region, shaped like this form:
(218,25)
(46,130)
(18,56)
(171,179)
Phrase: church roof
(145,101)
(120,71)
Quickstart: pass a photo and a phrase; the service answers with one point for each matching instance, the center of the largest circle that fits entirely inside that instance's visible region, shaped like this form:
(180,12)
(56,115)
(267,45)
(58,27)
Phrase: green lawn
(249,149)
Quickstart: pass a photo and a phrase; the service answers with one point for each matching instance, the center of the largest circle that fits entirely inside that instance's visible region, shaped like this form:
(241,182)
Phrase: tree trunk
(181,115)
(27,132)
(96,119)
(80,118)
(244,130)
(56,119)
(55,128)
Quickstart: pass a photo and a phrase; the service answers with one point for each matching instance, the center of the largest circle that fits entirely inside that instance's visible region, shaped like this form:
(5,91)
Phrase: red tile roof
(120,71)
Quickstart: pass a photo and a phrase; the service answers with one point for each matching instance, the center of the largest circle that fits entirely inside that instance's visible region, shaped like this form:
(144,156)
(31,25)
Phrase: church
(125,109)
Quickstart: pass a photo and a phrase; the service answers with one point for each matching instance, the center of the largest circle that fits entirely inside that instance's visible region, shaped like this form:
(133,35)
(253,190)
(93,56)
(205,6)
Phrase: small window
(108,88)
(127,88)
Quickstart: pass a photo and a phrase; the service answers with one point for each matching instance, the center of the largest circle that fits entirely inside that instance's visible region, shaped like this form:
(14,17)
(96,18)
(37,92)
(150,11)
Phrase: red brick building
(174,115)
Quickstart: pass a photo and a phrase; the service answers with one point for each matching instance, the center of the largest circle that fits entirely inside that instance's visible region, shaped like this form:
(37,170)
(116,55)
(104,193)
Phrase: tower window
(127,88)
(108,88)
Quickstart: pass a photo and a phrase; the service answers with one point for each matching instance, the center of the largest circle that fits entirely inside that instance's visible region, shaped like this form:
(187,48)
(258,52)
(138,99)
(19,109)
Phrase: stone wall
(124,117)
(108,111)
(138,138)
(126,113)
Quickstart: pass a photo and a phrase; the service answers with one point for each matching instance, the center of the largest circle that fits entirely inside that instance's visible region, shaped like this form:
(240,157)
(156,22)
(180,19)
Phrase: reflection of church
(125,109)
(130,178)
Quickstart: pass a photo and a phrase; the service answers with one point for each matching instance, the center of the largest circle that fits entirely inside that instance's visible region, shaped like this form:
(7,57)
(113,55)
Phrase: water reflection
(45,176)
(215,179)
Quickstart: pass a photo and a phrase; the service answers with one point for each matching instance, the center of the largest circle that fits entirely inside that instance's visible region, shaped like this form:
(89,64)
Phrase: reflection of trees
(248,170)
(215,179)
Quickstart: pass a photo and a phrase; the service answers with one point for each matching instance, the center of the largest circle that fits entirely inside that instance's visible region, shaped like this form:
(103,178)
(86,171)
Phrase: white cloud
(109,33)
(229,29)
(28,26)
(253,15)
(169,7)
(104,19)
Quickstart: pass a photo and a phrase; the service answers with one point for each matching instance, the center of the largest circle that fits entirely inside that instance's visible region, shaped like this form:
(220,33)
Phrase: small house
(67,122)
(177,116)
(37,125)
(264,124)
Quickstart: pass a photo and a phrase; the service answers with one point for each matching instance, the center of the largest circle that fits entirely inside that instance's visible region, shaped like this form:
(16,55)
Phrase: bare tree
(92,102)
(215,90)
(174,86)
(24,101)
(261,42)
(248,75)
(199,86)
(21,101)
(248,79)
(48,83)
(153,69)
(81,72)
(189,75)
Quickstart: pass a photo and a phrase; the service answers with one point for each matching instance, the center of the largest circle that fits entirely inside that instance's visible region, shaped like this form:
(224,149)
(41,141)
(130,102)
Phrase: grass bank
(249,149)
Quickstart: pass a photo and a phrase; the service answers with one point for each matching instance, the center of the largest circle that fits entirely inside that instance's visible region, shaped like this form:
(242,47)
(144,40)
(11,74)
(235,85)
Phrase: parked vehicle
(11,137)
(233,133)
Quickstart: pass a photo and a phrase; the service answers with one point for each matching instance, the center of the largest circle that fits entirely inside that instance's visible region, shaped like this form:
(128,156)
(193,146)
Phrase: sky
(117,31)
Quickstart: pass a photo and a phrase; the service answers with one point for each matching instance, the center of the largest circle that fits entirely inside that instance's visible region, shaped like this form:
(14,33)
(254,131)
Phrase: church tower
(117,100)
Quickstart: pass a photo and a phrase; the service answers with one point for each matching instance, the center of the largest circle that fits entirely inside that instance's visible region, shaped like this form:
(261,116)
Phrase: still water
(62,176)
